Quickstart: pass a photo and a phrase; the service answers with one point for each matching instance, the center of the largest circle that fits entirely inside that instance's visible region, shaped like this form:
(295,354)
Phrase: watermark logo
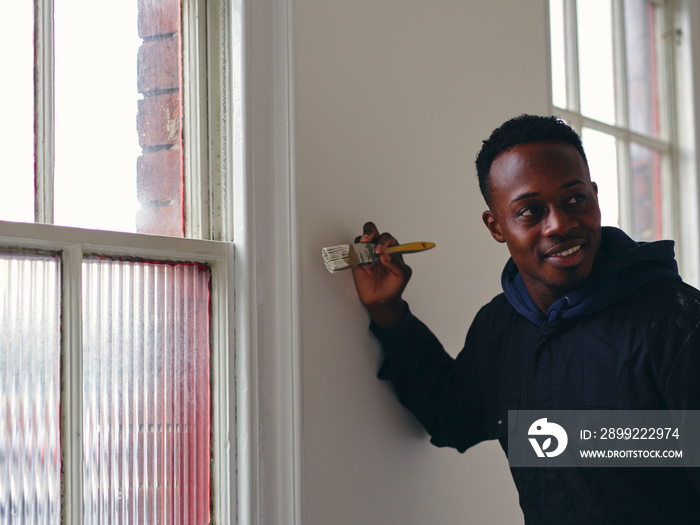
(604,438)
(543,428)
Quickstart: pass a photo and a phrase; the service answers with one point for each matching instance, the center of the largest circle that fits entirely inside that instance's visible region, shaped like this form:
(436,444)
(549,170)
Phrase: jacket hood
(630,266)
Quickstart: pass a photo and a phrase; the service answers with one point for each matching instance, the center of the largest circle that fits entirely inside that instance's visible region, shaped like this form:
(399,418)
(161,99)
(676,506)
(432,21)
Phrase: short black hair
(521,129)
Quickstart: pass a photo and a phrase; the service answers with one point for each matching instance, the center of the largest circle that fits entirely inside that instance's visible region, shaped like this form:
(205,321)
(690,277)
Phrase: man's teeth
(570,251)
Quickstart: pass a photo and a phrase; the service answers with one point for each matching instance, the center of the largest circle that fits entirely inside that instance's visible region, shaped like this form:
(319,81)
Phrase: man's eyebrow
(524,196)
(571,183)
(564,186)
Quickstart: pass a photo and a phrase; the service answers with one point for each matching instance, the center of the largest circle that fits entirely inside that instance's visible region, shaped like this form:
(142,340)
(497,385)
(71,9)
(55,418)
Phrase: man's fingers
(369,233)
(389,260)
(383,241)
(396,265)
(369,228)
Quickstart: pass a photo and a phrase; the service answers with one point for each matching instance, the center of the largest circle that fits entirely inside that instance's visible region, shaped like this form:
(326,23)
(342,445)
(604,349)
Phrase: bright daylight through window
(610,80)
(103,127)
(111,339)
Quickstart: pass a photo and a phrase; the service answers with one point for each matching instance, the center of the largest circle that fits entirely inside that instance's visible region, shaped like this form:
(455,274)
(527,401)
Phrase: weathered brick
(161,220)
(160,183)
(159,65)
(159,17)
(159,176)
(158,120)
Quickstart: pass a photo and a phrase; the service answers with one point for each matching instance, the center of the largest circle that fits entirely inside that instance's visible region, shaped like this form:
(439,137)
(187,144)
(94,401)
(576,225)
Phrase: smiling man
(544,206)
(588,319)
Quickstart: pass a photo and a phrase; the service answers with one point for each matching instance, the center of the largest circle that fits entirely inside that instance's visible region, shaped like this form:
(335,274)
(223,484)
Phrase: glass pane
(30,350)
(17,109)
(642,67)
(558,52)
(118,116)
(645,186)
(601,150)
(595,49)
(146,392)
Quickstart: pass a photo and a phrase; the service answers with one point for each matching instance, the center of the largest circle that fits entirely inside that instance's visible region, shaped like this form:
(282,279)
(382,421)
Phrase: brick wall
(159,119)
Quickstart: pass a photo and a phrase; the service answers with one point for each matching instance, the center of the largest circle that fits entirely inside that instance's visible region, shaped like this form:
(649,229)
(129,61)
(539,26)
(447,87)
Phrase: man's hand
(380,285)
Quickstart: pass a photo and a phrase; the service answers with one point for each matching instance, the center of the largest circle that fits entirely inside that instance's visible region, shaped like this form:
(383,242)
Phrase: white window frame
(686,25)
(680,198)
(268,268)
(623,135)
(245,170)
(73,244)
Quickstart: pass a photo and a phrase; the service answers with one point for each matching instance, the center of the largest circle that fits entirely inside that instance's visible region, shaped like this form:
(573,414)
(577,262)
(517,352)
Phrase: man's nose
(558,222)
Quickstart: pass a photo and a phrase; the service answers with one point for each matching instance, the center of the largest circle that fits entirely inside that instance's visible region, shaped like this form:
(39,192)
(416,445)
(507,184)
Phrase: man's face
(545,208)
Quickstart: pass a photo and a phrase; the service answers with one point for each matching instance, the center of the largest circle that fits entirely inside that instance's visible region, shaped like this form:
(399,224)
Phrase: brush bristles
(339,257)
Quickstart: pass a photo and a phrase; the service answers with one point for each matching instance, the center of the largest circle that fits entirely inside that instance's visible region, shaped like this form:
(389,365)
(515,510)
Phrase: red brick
(161,220)
(158,120)
(159,17)
(159,176)
(159,65)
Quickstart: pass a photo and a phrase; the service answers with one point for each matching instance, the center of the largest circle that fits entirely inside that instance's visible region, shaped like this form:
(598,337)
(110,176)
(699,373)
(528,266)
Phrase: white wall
(392,100)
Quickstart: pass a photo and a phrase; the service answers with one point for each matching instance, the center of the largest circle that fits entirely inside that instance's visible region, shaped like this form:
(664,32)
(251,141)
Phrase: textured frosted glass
(146,392)
(30,448)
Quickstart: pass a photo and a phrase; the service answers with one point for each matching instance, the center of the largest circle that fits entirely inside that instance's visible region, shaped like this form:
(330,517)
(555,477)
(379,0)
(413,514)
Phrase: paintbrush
(347,256)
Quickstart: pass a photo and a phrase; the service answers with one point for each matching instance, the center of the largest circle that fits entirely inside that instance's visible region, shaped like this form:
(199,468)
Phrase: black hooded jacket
(628,339)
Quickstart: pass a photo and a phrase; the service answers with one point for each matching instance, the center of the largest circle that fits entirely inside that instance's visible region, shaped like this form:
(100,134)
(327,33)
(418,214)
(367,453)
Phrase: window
(115,399)
(112,125)
(111,345)
(611,80)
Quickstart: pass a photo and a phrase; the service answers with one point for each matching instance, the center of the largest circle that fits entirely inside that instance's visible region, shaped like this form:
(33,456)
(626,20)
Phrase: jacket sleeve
(682,390)
(440,391)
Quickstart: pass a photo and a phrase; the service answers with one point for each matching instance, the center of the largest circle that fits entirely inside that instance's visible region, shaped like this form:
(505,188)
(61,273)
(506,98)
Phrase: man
(588,319)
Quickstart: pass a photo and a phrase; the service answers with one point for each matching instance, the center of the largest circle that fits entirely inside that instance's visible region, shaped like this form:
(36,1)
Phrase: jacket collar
(630,265)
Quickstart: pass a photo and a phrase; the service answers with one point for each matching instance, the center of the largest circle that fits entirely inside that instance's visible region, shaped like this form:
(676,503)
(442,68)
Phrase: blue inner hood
(630,266)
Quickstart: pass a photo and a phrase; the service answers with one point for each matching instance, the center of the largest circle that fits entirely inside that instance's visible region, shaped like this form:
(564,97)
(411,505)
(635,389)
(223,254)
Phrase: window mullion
(649,142)
(666,69)
(225,63)
(211,74)
(224,507)
(621,114)
(44,110)
(670,122)
(196,158)
(71,385)
(574,118)
(624,185)
(666,86)
(573,90)
(620,133)
(620,63)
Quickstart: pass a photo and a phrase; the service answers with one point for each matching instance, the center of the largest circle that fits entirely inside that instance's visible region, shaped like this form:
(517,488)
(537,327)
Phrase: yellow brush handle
(410,247)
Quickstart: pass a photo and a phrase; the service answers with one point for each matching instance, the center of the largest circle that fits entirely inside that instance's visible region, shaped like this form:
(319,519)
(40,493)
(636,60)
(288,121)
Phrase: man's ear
(491,223)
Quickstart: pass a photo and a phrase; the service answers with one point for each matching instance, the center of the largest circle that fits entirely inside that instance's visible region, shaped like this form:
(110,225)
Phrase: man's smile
(568,252)
(565,248)
(567,257)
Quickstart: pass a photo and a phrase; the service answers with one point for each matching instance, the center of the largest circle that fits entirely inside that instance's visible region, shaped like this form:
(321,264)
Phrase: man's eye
(530,211)
(577,199)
